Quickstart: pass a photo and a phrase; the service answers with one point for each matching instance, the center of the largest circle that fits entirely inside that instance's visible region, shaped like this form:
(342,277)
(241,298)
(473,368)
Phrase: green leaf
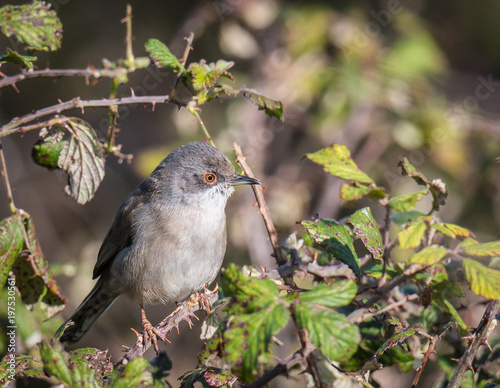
(337,161)
(335,239)
(366,228)
(339,293)
(412,236)
(135,374)
(11,244)
(34,279)
(436,186)
(330,331)
(47,154)
(55,364)
(257,313)
(206,75)
(162,56)
(482,280)
(429,255)
(272,108)
(402,218)
(82,159)
(33,24)
(488,249)
(406,202)
(23,366)
(25,61)
(445,305)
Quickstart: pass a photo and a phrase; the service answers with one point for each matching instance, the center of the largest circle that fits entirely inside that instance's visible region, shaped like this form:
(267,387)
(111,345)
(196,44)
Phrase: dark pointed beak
(237,179)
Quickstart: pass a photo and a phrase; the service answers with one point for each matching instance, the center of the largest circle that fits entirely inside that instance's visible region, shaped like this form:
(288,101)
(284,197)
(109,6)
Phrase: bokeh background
(389,79)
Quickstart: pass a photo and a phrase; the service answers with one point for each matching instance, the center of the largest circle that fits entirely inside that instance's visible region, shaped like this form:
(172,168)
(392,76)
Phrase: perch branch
(263,208)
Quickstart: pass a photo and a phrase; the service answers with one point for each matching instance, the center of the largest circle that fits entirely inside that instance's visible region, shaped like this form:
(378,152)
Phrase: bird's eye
(210,178)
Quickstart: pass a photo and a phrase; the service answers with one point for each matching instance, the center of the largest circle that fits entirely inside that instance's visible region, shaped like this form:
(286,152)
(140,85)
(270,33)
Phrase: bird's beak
(243,180)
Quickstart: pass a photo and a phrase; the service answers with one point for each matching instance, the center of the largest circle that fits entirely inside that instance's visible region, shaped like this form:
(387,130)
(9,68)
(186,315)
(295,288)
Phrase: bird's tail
(94,305)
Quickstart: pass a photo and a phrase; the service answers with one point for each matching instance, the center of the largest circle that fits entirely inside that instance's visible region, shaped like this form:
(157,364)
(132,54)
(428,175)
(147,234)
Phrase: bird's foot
(204,298)
(151,333)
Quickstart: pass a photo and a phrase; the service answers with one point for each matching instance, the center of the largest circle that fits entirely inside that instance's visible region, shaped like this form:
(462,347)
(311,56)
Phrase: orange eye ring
(209,178)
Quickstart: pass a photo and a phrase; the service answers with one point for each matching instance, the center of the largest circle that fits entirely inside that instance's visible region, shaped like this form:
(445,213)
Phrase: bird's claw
(151,333)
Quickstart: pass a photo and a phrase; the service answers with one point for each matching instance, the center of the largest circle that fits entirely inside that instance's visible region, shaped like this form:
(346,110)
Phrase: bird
(167,240)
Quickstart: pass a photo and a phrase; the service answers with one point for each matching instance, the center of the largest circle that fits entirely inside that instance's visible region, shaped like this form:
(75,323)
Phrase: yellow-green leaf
(406,202)
(412,236)
(337,161)
(366,228)
(162,56)
(429,255)
(482,280)
(488,249)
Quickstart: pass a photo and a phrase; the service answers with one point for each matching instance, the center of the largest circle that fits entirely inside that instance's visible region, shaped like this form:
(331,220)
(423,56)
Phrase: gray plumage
(168,238)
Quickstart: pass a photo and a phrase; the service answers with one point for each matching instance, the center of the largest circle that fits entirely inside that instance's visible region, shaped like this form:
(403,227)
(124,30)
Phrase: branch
(90,71)
(183,312)
(5,176)
(476,340)
(263,208)
(15,125)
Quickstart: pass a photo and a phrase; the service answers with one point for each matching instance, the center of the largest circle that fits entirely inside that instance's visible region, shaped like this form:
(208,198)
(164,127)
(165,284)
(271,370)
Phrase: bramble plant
(362,295)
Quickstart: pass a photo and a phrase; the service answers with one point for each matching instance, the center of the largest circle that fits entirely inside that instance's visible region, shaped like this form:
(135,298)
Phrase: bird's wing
(120,234)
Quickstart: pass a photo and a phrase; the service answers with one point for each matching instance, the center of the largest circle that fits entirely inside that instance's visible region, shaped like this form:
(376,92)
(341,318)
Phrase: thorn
(153,105)
(132,94)
(139,335)
(485,342)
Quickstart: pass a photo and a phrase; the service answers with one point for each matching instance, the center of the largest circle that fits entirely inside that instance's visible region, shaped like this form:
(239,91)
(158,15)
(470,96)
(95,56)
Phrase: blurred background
(389,79)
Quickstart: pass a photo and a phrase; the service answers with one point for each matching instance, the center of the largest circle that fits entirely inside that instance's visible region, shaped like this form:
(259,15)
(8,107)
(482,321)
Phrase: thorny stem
(263,208)
(129,54)
(189,47)
(15,125)
(478,338)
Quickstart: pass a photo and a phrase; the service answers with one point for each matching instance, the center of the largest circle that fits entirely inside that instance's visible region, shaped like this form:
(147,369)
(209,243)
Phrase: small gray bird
(167,240)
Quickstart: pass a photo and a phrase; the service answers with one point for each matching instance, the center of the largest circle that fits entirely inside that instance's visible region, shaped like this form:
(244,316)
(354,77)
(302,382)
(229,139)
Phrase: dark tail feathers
(94,305)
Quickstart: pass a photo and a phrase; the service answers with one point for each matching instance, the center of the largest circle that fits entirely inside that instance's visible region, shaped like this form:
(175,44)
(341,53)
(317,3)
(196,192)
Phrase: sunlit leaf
(162,56)
(11,244)
(488,249)
(337,161)
(330,331)
(337,294)
(82,159)
(394,340)
(412,236)
(206,75)
(32,24)
(135,374)
(366,228)
(272,108)
(429,255)
(482,280)
(445,305)
(406,202)
(335,239)
(458,230)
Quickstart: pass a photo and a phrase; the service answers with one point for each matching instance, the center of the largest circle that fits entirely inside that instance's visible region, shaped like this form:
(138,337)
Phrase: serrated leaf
(11,244)
(208,376)
(330,331)
(354,191)
(82,159)
(488,249)
(206,76)
(335,239)
(249,336)
(445,305)
(406,202)
(34,278)
(337,161)
(441,228)
(10,56)
(459,231)
(33,24)
(366,228)
(337,294)
(394,340)
(402,218)
(135,374)
(482,280)
(412,236)
(55,364)
(272,108)
(429,255)
(162,56)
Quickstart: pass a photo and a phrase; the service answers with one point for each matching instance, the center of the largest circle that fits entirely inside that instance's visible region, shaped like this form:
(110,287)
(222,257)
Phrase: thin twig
(15,125)
(427,354)
(476,340)
(88,72)
(187,50)
(264,209)
(193,110)
(129,54)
